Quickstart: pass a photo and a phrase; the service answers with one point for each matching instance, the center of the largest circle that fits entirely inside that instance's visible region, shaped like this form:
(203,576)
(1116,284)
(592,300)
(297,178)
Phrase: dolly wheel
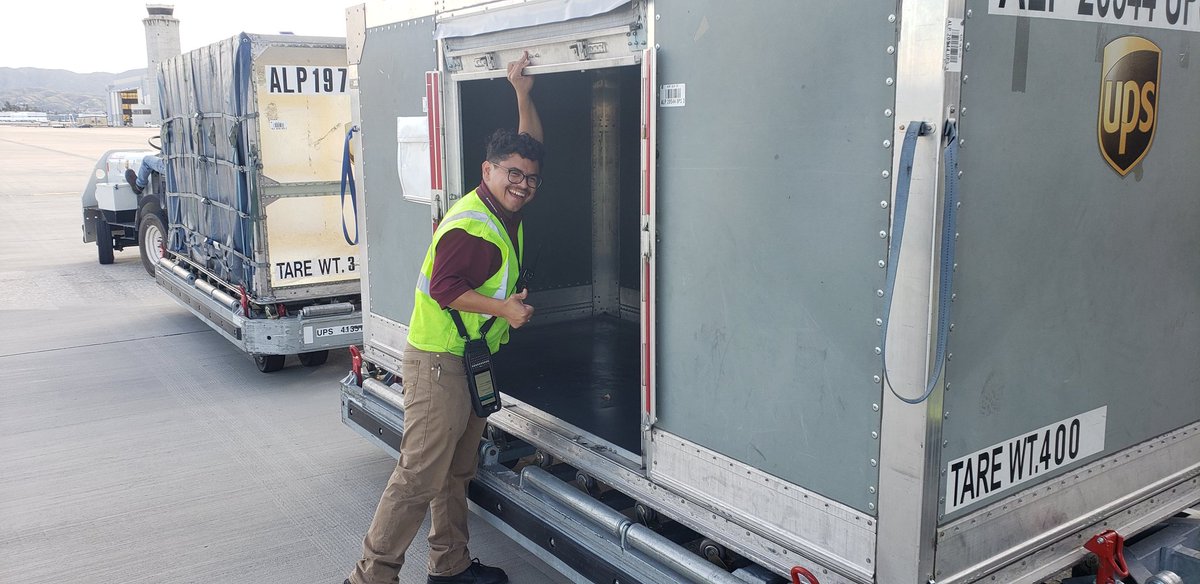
(313,358)
(269,363)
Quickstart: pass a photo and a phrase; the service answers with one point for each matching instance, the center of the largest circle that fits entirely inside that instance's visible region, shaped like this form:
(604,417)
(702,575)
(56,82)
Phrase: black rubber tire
(269,363)
(150,221)
(313,358)
(104,242)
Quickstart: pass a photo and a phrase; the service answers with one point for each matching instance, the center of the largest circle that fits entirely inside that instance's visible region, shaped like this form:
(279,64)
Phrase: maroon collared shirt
(464,262)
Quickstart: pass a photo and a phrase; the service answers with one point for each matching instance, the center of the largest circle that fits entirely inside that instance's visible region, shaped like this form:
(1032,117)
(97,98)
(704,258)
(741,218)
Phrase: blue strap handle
(949,234)
(348,178)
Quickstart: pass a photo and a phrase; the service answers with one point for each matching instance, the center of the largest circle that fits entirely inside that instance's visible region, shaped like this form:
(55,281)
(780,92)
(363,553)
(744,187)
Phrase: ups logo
(1128,101)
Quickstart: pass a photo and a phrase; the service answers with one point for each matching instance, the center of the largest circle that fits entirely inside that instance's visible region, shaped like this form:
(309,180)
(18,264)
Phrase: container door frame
(649,205)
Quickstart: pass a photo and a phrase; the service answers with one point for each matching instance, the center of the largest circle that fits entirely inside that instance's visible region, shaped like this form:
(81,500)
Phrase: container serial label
(952,54)
(1003,466)
(302,80)
(1169,14)
(672,95)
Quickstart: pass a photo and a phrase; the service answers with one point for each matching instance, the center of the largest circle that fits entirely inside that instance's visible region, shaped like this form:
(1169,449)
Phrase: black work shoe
(131,178)
(476,573)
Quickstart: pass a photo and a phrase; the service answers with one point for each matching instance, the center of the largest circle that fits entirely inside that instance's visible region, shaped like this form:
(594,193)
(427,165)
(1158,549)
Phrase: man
(471,267)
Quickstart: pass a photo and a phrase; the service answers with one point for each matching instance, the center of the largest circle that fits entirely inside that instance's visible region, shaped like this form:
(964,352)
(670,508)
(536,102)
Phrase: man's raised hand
(520,81)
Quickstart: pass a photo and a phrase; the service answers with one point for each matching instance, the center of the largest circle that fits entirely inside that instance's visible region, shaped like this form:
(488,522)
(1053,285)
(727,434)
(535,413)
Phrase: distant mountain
(58,90)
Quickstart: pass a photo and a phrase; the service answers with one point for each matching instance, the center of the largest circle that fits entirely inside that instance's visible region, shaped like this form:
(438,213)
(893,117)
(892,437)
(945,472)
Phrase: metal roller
(233,303)
(327,310)
(183,274)
(598,513)
(645,540)
(205,287)
(383,392)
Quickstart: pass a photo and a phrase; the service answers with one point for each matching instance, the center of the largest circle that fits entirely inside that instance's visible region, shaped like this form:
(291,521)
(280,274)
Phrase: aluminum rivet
(871,490)
(891,50)
(887,143)
(953,297)
(901,127)
(874,462)
(657,46)
(945,443)
(870,506)
(965,78)
(969,13)
(878,351)
(879,293)
(946,415)
(875,435)
(960,174)
(951,327)
(882,235)
(886,174)
(875,407)
(883,204)
(962,142)
(882,264)
(891,18)
(949,356)
(879,322)
(887,113)
(955,266)
(877,380)
(657,17)
(889,81)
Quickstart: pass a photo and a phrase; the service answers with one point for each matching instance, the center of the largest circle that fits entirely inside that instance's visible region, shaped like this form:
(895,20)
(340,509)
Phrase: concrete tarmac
(139,446)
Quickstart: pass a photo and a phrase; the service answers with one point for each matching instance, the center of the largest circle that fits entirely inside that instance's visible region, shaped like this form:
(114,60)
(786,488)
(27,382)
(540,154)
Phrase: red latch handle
(797,572)
(1109,548)
(245,298)
(356,363)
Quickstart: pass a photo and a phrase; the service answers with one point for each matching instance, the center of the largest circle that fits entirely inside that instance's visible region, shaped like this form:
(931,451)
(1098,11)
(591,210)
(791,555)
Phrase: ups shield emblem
(1128,101)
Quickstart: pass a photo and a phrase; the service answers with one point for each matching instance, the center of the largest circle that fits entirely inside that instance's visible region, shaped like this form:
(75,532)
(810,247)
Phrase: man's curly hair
(504,142)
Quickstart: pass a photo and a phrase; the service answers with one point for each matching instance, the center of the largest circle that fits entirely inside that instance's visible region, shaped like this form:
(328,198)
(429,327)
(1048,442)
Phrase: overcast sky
(88,36)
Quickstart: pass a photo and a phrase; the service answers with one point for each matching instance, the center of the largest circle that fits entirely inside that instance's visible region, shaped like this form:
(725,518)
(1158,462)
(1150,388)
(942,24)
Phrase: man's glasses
(516,176)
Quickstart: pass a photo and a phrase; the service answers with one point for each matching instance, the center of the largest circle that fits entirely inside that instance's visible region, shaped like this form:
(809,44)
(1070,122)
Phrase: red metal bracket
(356,363)
(797,572)
(1109,548)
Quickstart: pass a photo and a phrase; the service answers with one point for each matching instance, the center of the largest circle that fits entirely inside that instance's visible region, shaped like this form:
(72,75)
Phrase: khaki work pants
(438,456)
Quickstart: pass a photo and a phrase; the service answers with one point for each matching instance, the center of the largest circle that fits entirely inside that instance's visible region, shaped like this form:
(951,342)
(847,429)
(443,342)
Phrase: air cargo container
(857,292)
(261,241)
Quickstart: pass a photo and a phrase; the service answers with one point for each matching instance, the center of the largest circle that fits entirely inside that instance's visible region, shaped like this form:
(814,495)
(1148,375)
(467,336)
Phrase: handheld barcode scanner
(477,361)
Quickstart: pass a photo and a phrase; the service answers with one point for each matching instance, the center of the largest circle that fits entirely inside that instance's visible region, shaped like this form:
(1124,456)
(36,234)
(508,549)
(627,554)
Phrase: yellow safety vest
(431,328)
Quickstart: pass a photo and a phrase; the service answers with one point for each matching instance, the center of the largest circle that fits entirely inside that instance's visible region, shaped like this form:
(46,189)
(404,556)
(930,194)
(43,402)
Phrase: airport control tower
(162,42)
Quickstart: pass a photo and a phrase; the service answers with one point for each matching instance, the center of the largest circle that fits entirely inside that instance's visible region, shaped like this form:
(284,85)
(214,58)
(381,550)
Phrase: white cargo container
(725,198)
(262,242)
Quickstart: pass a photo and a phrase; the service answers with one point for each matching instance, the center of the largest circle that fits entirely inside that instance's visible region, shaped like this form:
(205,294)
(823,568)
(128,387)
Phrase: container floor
(585,372)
